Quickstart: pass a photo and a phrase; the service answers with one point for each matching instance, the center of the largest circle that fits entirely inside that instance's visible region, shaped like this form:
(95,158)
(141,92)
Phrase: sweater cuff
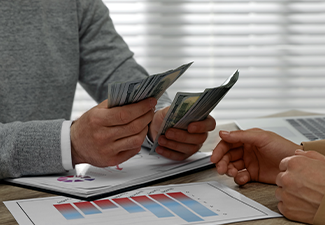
(318,146)
(66,145)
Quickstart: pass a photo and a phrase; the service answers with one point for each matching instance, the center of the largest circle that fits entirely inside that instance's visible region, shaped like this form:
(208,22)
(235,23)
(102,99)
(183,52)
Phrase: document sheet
(192,203)
(87,181)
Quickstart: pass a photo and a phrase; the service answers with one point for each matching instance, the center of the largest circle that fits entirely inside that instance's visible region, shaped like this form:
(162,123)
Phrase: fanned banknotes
(153,86)
(190,107)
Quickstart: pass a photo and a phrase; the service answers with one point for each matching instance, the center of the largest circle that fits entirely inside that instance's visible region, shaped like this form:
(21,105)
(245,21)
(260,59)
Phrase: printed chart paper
(193,203)
(89,181)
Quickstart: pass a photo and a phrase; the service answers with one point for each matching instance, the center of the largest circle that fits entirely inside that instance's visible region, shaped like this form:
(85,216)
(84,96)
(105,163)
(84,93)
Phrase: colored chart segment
(128,205)
(153,206)
(192,204)
(70,179)
(177,208)
(68,211)
(87,208)
(105,204)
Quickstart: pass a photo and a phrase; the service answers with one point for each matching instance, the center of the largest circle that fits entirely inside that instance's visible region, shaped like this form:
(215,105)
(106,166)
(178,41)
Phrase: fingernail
(224,132)
(159,150)
(299,151)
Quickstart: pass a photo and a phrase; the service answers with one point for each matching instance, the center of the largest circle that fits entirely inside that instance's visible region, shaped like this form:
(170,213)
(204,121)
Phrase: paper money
(190,107)
(153,86)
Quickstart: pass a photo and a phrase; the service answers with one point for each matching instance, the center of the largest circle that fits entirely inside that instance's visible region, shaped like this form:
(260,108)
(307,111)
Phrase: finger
(202,126)
(221,149)
(296,215)
(295,208)
(232,155)
(242,177)
(239,164)
(278,193)
(130,142)
(124,114)
(185,148)
(185,137)
(231,171)
(250,136)
(283,166)
(310,154)
(131,128)
(171,154)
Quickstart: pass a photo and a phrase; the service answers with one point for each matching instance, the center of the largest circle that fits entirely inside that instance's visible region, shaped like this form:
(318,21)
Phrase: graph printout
(193,203)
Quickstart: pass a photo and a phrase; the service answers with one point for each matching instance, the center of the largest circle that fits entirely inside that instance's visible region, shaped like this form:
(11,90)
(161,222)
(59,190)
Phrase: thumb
(310,154)
(103,104)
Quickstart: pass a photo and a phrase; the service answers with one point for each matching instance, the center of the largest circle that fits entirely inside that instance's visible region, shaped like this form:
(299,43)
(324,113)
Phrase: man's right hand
(107,137)
(251,155)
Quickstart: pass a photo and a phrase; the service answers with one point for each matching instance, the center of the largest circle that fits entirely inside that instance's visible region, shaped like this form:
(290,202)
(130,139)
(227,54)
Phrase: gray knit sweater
(46,47)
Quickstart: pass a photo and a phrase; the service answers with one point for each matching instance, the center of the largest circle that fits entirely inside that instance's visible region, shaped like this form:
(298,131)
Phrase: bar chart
(160,205)
(194,203)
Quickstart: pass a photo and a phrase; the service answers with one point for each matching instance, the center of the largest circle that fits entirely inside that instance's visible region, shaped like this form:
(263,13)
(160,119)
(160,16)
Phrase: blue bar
(128,205)
(153,207)
(192,204)
(68,211)
(177,208)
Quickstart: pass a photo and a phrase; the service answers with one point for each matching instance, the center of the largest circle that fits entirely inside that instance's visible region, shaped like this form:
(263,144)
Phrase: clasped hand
(263,156)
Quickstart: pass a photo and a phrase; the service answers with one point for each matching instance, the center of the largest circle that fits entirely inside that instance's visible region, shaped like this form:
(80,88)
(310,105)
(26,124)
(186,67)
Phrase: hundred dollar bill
(181,104)
(190,107)
(152,86)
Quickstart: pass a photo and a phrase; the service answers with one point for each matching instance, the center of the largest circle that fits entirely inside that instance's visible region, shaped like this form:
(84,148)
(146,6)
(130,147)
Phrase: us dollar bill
(181,104)
(153,86)
(190,107)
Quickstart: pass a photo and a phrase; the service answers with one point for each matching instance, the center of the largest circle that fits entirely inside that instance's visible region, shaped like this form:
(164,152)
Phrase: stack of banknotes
(190,107)
(186,107)
(134,91)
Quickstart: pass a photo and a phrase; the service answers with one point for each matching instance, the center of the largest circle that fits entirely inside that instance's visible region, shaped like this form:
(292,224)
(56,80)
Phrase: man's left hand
(178,144)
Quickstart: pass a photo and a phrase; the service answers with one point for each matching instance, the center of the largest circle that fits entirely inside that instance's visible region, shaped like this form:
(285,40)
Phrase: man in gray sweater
(46,47)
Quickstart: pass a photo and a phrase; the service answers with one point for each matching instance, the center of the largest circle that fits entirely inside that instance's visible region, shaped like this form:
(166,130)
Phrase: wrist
(74,153)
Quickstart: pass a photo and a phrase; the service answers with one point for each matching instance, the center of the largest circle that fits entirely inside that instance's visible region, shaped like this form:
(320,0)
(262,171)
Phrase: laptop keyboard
(312,128)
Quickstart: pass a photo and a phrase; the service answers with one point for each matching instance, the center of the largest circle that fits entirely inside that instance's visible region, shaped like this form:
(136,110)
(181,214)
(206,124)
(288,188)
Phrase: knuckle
(294,162)
(135,127)
(123,116)
(286,180)
(283,209)
(136,141)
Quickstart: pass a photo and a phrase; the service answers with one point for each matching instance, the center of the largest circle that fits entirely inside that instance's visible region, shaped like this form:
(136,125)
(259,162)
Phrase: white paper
(88,181)
(193,203)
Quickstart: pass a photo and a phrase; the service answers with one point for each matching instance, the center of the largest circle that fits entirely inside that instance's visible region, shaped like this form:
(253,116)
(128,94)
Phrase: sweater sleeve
(30,148)
(318,146)
(104,55)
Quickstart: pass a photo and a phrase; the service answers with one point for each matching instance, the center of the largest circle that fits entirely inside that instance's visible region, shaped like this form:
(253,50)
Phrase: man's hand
(179,144)
(301,185)
(107,137)
(251,155)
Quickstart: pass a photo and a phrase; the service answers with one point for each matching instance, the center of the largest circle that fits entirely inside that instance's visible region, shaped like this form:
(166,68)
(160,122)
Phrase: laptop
(296,129)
